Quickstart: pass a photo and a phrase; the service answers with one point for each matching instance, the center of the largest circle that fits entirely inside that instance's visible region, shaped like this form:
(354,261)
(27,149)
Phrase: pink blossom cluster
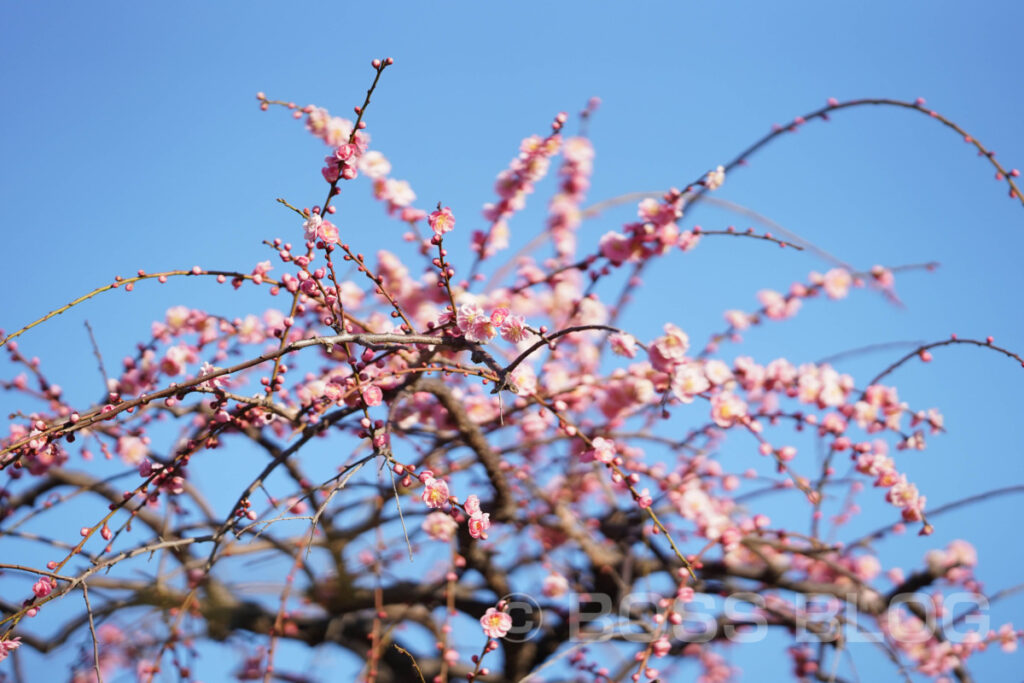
(164,478)
(938,657)
(316,229)
(514,184)
(564,214)
(335,131)
(476,326)
(344,162)
(479,522)
(38,454)
(654,235)
(748,394)
(398,195)
(836,284)
(578,464)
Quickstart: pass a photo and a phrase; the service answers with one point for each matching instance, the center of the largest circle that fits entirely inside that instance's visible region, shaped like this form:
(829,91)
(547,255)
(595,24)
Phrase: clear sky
(130,138)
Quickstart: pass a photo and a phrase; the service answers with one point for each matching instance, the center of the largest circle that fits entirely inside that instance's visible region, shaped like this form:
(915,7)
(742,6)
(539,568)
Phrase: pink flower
(837,283)
(9,646)
(435,493)
(175,360)
(312,226)
(329,233)
(441,221)
(440,526)
(397,192)
(318,229)
(495,624)
(688,380)
(883,276)
(344,152)
(737,319)
(776,306)
(726,409)
(372,395)
(603,451)
(555,586)
(132,449)
(374,165)
(42,588)
(623,344)
(616,247)
(670,349)
(1007,638)
(513,328)
(479,524)
(475,326)
(472,505)
(411,214)
(498,316)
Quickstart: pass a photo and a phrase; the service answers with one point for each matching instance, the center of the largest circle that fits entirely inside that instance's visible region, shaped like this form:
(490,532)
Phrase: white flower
(715,178)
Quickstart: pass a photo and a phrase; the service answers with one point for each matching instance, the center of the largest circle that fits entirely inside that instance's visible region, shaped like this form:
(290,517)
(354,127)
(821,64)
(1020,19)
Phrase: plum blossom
(42,587)
(474,324)
(776,306)
(738,320)
(479,524)
(603,450)
(715,178)
(1006,635)
(175,360)
(374,165)
(440,526)
(441,221)
(214,382)
(688,380)
(905,496)
(513,328)
(555,585)
(717,372)
(616,247)
(883,277)
(177,317)
(132,449)
(495,624)
(9,646)
(397,193)
(513,185)
(316,228)
(837,283)
(670,349)
(372,395)
(644,499)
(727,408)
(435,492)
(623,344)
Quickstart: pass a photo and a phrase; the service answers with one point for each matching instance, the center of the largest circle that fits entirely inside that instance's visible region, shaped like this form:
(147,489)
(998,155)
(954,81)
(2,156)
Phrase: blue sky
(131,139)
